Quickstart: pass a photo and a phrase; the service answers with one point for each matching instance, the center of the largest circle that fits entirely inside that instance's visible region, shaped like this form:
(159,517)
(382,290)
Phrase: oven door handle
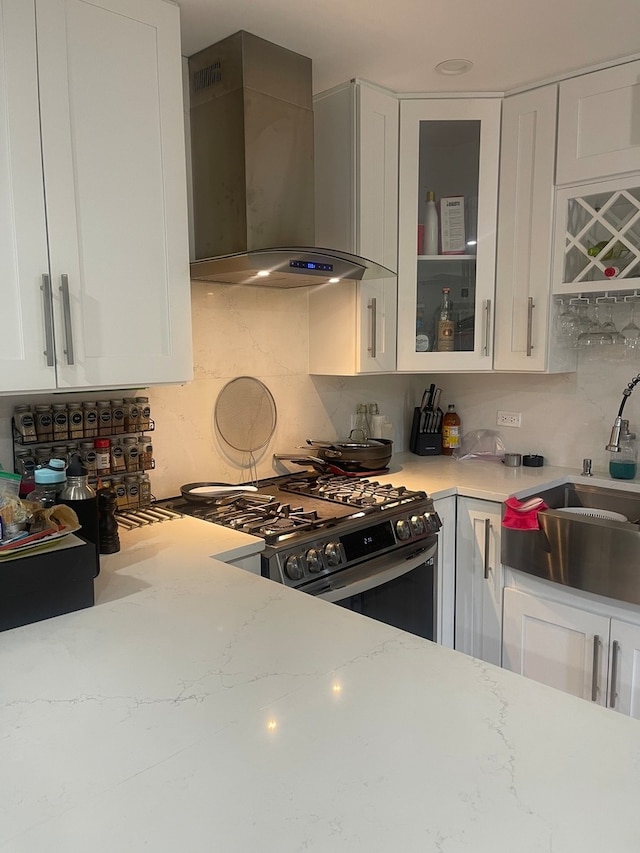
(368,579)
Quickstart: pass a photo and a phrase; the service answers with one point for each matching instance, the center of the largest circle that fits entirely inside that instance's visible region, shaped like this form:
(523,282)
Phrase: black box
(47,583)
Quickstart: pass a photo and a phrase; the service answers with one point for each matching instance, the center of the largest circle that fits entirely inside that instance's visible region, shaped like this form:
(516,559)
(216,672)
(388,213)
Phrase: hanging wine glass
(594,335)
(608,326)
(631,332)
(583,321)
(566,325)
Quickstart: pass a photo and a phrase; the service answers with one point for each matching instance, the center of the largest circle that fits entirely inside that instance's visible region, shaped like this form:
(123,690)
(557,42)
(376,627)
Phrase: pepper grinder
(107,524)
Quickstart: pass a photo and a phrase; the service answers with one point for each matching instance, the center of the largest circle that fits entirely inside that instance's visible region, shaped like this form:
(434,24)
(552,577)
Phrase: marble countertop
(199,707)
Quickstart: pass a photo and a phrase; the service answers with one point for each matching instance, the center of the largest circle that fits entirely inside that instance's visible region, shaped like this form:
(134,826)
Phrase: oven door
(399,592)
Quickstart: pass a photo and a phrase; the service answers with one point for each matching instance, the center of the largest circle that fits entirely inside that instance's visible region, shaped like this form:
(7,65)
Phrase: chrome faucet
(616,429)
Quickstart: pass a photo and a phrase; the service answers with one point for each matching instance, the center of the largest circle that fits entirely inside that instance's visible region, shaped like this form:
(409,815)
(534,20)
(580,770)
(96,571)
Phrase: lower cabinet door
(624,669)
(564,647)
(478,627)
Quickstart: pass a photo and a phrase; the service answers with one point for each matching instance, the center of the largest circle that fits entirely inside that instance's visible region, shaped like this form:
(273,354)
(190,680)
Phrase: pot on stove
(373,454)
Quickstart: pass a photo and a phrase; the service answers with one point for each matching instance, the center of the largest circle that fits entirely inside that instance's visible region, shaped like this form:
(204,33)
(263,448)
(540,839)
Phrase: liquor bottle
(431,225)
(445,324)
(450,430)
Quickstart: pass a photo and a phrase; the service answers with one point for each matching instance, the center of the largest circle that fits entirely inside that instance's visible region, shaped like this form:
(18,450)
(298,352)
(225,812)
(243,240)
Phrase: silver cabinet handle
(487,541)
(373,334)
(66,313)
(47,305)
(530,306)
(613,693)
(594,671)
(487,326)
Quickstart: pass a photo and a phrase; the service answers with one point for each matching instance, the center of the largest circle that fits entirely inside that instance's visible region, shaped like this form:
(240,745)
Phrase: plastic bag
(484,444)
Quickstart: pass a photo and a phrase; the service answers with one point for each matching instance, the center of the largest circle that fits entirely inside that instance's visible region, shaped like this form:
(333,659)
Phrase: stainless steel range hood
(253,180)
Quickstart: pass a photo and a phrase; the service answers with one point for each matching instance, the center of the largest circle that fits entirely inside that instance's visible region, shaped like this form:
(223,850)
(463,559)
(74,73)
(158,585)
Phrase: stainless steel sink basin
(594,554)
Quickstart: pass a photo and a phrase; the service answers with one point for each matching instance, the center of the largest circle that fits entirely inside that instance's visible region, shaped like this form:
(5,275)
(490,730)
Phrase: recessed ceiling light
(454,66)
(334,280)
(263,273)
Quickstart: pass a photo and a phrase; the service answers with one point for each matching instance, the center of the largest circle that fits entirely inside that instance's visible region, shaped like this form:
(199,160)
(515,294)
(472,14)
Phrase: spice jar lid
(101,442)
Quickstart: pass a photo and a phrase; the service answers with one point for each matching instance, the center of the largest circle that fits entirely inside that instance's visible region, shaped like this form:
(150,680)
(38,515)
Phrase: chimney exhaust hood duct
(253,178)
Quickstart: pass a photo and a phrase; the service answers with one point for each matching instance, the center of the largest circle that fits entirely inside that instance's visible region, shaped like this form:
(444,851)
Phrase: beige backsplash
(262,332)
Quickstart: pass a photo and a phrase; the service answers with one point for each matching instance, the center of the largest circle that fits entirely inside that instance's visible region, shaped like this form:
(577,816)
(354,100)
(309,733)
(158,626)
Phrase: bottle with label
(431,225)
(623,464)
(445,325)
(450,430)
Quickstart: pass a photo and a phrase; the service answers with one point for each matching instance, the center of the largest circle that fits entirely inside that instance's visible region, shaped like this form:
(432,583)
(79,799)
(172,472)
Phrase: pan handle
(295,457)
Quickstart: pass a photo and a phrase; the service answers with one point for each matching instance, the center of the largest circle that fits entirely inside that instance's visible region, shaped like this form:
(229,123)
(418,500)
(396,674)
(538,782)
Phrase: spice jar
(144,413)
(104,417)
(44,423)
(122,500)
(131,454)
(117,417)
(118,465)
(131,484)
(144,489)
(131,415)
(76,420)
(90,418)
(25,423)
(88,457)
(103,456)
(60,422)
(145,453)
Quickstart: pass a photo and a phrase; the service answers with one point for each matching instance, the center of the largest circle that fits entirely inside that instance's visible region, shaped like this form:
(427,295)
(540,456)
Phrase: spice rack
(109,436)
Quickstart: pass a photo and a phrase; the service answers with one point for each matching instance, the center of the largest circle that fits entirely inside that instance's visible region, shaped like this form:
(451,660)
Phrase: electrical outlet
(510,419)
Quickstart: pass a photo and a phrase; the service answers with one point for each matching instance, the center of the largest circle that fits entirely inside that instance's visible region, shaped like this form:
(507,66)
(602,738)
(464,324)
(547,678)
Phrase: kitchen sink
(588,552)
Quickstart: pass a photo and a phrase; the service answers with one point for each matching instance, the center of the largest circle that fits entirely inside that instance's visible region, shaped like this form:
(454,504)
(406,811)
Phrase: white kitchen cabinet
(560,642)
(352,325)
(111,305)
(451,147)
(446,580)
(478,611)
(524,339)
(555,644)
(598,124)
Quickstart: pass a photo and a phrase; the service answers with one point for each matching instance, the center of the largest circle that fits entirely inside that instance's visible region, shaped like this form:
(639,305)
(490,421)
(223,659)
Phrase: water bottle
(81,498)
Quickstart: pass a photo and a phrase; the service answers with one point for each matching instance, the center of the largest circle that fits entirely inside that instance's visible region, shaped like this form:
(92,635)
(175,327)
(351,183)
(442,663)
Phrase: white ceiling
(397,43)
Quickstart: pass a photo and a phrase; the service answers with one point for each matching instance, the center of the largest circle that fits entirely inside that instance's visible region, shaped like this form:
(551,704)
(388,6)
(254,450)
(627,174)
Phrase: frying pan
(374,454)
(200,492)
(325,466)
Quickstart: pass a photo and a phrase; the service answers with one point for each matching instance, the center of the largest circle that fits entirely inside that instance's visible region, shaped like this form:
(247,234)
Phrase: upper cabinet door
(449,147)
(352,326)
(26,361)
(523,335)
(114,171)
(599,125)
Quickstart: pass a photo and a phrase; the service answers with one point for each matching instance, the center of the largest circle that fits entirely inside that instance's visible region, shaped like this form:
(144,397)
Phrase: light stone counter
(197,707)
(441,476)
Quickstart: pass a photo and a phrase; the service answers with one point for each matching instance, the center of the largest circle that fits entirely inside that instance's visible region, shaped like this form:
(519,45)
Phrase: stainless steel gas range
(367,546)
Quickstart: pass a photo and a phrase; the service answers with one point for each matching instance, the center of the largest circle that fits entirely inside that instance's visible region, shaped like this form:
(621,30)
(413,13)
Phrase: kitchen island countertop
(199,707)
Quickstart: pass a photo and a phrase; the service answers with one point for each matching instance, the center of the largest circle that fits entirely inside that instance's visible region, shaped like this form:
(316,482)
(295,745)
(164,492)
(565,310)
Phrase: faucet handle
(586,468)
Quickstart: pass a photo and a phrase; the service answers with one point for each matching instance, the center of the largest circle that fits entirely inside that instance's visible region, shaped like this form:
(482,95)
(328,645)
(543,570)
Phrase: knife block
(424,443)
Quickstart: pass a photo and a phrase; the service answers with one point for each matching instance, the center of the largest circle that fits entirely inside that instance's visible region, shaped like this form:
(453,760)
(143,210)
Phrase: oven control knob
(314,560)
(417,523)
(433,521)
(403,529)
(294,567)
(332,553)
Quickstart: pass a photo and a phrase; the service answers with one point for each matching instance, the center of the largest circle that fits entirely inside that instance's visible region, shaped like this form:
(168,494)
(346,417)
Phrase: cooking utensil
(324,466)
(199,492)
(245,416)
(373,454)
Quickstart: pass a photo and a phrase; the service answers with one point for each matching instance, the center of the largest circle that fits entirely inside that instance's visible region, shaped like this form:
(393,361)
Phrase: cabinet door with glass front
(449,151)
